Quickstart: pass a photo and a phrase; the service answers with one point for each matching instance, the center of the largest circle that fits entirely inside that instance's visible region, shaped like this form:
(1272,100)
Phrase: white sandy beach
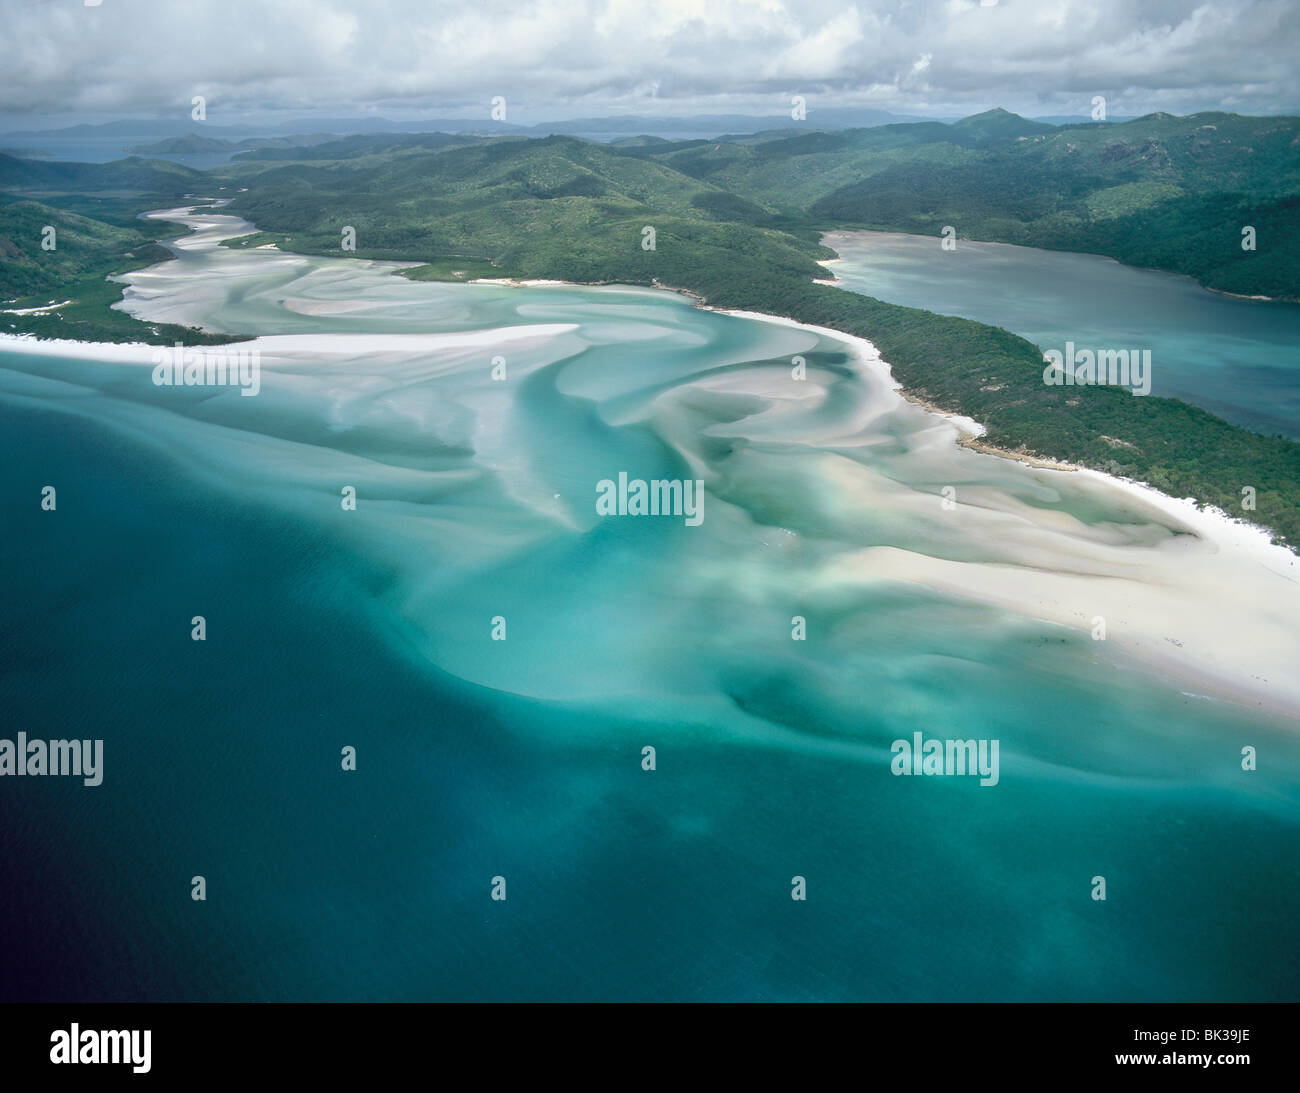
(1192,593)
(274,348)
(1218,609)
(45,310)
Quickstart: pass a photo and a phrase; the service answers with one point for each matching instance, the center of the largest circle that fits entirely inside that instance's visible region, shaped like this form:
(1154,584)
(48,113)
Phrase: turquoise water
(522,758)
(1238,358)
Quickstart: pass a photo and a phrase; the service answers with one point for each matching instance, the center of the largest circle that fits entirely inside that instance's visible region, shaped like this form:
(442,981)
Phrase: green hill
(350,147)
(995,127)
(134,175)
(81,245)
(569,209)
(737,223)
(189,144)
(1159,191)
(86,253)
(556,207)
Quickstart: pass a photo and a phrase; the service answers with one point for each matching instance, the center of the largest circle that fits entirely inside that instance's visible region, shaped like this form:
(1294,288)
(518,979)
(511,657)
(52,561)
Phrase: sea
(456,735)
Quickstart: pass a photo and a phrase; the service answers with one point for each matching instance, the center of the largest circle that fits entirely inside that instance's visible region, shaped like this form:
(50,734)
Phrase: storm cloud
(553,58)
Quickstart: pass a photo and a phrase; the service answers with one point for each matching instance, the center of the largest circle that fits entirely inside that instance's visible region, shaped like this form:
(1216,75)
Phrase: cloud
(551,57)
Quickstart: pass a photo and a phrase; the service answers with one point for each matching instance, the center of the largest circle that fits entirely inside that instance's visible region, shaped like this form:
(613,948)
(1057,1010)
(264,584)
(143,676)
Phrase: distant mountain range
(198,144)
(229,137)
(1159,191)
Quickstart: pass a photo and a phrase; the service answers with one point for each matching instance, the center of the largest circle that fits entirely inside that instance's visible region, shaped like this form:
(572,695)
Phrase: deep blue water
(222,759)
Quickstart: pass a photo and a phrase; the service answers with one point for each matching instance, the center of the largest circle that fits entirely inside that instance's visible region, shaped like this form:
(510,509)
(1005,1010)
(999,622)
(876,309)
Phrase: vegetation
(256,239)
(736,222)
(97,235)
(91,317)
(455,269)
(133,176)
(352,147)
(188,144)
(571,210)
(1159,192)
(996,378)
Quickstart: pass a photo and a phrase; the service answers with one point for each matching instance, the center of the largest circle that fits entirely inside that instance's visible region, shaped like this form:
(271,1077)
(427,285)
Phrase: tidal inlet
(537,641)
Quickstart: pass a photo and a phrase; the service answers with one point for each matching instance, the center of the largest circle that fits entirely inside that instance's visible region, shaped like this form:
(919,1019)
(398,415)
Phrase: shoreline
(970,432)
(1129,584)
(1055,250)
(1194,661)
(1239,296)
(1155,603)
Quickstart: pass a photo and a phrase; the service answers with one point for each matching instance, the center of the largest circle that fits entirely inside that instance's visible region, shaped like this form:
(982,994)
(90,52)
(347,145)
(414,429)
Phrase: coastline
(970,432)
(1210,519)
(141,353)
(1152,589)
(1239,296)
(1093,254)
(1173,606)
(832,280)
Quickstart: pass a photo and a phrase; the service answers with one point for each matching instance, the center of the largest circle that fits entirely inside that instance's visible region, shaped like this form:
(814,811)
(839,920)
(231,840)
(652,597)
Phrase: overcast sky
(564,58)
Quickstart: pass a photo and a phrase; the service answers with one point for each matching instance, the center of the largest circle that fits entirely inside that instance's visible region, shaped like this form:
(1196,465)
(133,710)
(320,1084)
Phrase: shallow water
(1238,358)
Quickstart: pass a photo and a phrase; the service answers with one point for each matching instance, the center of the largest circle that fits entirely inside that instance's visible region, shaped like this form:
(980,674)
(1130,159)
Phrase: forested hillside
(737,222)
(92,209)
(572,210)
(1160,191)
